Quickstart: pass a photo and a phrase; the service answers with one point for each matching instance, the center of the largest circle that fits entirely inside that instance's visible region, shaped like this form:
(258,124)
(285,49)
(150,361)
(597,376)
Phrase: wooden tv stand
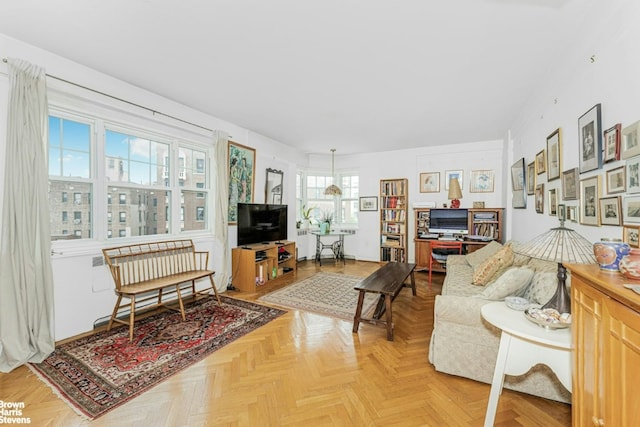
(248,262)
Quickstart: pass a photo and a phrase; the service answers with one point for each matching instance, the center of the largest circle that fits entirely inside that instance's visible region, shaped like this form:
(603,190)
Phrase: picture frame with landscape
(611,149)
(631,209)
(630,141)
(554,153)
(589,195)
(570,184)
(611,211)
(590,140)
(616,180)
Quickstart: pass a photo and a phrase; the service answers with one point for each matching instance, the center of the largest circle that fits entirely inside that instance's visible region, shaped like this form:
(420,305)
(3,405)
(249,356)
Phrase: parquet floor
(308,370)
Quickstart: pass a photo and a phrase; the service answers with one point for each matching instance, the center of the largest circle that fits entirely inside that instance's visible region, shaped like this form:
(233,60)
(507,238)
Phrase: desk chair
(440,250)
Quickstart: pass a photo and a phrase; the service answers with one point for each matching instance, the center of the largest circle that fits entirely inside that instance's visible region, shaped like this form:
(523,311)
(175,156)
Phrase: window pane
(193,211)
(139,212)
(140,149)
(60,204)
(75,164)
(135,160)
(76,136)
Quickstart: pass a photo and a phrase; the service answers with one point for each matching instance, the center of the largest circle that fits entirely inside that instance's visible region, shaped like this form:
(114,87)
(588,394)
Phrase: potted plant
(325,221)
(306,216)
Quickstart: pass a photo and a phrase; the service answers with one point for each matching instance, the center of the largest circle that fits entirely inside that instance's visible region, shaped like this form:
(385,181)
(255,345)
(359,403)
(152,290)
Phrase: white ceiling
(357,75)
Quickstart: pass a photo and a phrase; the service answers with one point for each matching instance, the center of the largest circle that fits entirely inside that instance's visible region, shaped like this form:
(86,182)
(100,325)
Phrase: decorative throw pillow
(486,271)
(543,286)
(476,258)
(512,282)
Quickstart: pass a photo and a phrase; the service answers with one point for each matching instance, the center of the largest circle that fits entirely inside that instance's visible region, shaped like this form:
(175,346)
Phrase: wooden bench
(140,270)
(386,281)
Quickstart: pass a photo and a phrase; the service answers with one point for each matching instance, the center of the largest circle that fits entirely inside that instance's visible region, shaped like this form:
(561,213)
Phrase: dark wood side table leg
(356,318)
(413,283)
(387,302)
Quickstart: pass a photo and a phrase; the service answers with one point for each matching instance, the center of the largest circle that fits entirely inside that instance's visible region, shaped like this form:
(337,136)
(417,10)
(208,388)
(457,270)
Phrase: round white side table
(523,345)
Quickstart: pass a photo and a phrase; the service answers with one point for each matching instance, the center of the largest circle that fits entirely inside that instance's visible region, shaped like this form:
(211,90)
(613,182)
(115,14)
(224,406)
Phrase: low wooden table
(386,281)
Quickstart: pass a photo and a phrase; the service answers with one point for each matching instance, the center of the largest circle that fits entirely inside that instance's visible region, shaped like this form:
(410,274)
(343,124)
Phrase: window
(310,193)
(136,175)
(70,152)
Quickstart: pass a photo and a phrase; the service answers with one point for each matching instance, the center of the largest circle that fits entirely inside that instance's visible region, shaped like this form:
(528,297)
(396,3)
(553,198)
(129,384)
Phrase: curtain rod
(124,100)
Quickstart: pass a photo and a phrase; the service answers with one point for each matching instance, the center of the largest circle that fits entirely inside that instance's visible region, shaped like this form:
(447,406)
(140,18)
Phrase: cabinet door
(586,313)
(422,254)
(622,356)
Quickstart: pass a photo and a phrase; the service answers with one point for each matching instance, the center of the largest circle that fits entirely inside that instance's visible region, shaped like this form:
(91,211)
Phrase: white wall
(573,85)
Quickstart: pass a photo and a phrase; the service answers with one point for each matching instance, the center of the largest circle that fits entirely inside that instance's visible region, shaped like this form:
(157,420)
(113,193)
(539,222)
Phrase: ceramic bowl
(517,303)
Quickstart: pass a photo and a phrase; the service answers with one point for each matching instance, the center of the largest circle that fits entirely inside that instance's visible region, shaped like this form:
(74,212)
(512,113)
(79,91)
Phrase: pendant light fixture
(332,190)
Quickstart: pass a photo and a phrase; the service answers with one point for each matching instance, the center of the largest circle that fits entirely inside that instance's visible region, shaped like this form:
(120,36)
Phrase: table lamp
(455,192)
(561,245)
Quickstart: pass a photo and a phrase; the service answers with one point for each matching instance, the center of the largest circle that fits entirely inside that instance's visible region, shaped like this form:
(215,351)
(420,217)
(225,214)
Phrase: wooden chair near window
(440,250)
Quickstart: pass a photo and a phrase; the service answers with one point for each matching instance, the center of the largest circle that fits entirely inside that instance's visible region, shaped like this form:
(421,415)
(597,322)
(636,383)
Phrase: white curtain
(26,279)
(221,204)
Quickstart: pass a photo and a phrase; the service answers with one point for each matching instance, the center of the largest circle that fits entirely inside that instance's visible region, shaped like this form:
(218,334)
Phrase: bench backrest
(133,264)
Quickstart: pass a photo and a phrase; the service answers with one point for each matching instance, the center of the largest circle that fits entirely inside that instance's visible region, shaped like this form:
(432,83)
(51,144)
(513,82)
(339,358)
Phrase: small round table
(523,345)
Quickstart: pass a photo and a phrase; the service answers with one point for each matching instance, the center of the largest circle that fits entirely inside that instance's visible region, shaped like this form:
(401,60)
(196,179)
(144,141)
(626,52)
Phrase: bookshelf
(484,225)
(393,219)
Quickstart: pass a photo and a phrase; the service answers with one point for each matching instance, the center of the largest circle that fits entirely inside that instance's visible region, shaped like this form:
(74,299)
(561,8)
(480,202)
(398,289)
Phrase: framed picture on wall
(368,203)
(519,192)
(590,140)
(554,153)
(632,175)
(611,150)
(631,209)
(430,182)
(570,184)
(616,180)
(531,177)
(572,214)
(481,181)
(630,236)
(630,141)
(242,164)
(452,174)
(589,194)
(562,212)
(611,211)
(539,198)
(553,202)
(541,162)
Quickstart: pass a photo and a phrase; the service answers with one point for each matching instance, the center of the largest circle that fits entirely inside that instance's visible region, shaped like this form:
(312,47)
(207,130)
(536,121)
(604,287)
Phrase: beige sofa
(464,344)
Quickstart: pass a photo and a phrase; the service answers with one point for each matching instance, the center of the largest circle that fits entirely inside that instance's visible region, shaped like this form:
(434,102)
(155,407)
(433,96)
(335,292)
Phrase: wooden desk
(386,281)
(423,251)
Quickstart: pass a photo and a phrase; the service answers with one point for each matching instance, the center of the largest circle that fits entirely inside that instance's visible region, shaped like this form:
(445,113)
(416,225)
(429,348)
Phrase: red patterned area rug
(103,371)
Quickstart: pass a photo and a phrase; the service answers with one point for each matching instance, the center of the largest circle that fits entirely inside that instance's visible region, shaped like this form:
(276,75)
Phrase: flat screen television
(259,223)
(449,221)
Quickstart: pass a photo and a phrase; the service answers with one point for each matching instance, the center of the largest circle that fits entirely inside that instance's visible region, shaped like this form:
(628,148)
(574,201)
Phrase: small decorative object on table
(630,265)
(517,303)
(609,253)
(548,318)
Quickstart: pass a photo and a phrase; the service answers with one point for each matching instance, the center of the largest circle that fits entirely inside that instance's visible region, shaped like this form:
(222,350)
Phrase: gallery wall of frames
(603,190)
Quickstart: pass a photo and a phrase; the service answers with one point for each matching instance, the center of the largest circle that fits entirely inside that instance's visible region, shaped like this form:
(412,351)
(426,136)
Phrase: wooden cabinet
(256,265)
(486,222)
(606,341)
(393,219)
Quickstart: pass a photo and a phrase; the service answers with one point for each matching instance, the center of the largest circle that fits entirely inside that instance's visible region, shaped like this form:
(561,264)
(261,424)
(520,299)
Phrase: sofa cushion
(543,286)
(511,282)
(476,258)
(486,272)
